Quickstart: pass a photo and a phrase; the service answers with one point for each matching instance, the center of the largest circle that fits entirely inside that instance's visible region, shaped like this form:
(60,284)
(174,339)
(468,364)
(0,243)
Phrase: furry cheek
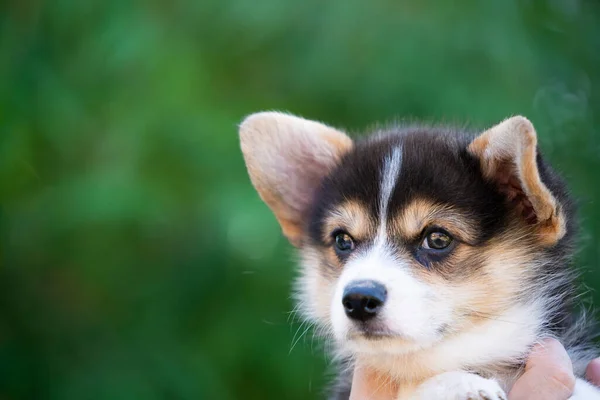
(314,288)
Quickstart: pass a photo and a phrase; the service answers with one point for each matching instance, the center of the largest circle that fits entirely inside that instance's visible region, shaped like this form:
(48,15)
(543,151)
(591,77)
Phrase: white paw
(459,386)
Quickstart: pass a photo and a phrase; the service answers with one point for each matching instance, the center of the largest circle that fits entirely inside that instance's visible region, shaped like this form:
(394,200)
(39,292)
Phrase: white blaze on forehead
(389,176)
(412,309)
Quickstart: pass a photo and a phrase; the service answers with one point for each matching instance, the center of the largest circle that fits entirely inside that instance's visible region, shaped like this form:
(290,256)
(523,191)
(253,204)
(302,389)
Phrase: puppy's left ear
(508,156)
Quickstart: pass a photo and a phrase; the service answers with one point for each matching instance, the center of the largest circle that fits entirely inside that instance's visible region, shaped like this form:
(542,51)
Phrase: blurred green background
(137,262)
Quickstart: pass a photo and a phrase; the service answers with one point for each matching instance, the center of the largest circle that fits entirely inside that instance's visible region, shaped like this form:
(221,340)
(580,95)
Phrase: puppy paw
(459,386)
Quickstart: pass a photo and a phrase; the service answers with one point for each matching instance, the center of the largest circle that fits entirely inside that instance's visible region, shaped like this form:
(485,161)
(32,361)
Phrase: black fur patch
(435,166)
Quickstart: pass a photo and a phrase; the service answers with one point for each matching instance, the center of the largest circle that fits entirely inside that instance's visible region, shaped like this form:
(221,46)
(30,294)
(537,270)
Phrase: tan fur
(422,213)
(494,278)
(353,217)
(276,147)
(509,149)
(481,281)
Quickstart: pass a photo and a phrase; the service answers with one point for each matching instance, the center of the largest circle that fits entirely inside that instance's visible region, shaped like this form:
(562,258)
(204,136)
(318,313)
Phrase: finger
(368,385)
(548,374)
(592,372)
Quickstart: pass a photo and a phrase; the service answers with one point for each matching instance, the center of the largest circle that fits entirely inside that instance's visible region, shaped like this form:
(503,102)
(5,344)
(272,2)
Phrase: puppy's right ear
(287,157)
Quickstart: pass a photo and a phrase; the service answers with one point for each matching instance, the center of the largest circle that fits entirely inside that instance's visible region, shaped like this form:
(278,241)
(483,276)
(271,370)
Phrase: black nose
(363,299)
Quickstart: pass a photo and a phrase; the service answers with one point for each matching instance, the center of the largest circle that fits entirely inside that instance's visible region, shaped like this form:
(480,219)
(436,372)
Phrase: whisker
(298,330)
(299,337)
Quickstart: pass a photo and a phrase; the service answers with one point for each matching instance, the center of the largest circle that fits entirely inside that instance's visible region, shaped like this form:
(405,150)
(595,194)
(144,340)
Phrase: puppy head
(411,237)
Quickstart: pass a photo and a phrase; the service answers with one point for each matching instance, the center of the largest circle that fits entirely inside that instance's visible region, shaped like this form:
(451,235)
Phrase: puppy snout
(362,300)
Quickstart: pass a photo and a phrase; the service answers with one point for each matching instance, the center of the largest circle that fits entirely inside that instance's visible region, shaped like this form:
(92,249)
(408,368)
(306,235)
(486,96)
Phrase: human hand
(548,374)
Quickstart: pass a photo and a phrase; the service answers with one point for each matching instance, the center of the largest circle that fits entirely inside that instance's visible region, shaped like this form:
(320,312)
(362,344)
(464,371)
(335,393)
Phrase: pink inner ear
(510,185)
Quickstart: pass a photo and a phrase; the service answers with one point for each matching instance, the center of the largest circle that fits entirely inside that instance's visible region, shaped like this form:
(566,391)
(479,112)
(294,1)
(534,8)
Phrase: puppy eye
(436,240)
(343,242)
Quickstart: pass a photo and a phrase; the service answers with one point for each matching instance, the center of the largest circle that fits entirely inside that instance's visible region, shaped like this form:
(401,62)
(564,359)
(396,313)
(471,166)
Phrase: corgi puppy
(436,256)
